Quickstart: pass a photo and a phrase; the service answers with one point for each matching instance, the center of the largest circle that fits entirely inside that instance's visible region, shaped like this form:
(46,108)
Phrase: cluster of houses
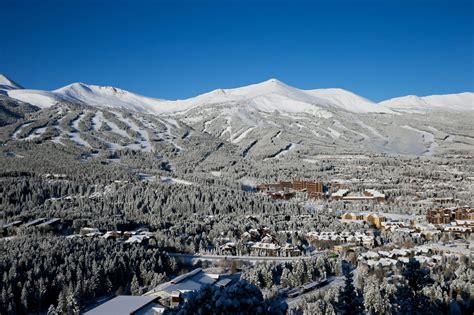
(340,240)
(450,220)
(261,243)
(367,195)
(140,235)
(428,254)
(287,189)
(317,190)
(463,216)
(165,295)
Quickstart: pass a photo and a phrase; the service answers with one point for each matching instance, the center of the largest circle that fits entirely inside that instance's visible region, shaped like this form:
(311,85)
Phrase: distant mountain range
(268,96)
(267,120)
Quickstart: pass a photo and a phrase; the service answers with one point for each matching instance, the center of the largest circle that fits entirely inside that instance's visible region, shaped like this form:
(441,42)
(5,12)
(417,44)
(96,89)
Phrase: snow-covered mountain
(40,98)
(7,84)
(108,96)
(102,96)
(349,101)
(271,119)
(275,96)
(268,96)
(448,102)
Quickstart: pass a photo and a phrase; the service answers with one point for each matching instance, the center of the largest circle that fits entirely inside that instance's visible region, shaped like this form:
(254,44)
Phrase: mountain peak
(273,81)
(8,84)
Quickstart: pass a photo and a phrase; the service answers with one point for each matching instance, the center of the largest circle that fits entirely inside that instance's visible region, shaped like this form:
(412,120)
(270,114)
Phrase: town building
(178,289)
(367,195)
(371,218)
(447,215)
(129,305)
(338,195)
(265,249)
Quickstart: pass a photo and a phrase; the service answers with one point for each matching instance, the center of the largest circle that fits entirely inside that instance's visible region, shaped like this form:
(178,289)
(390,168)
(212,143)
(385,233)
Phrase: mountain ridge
(271,95)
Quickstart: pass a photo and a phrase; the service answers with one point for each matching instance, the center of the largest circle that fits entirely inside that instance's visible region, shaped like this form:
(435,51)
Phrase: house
(375,220)
(126,305)
(177,290)
(291,250)
(344,248)
(228,247)
(175,298)
(338,195)
(112,235)
(374,194)
(465,223)
(352,216)
(223,283)
(281,195)
(371,218)
(447,215)
(138,239)
(265,249)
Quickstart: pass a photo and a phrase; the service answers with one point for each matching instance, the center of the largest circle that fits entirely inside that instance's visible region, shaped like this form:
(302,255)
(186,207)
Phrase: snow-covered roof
(269,246)
(121,305)
(375,193)
(340,193)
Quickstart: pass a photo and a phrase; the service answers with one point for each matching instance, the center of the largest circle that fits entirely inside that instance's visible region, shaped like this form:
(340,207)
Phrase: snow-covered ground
(36,133)
(242,135)
(175,181)
(281,153)
(144,139)
(428,138)
(19,129)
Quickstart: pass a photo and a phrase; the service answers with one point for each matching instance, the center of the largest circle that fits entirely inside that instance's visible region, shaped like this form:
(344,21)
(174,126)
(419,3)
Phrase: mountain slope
(275,96)
(12,110)
(108,97)
(267,120)
(8,84)
(448,102)
(42,99)
(349,101)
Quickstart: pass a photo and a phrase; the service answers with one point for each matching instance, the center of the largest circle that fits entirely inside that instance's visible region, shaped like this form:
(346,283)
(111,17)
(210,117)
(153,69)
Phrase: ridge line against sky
(171,50)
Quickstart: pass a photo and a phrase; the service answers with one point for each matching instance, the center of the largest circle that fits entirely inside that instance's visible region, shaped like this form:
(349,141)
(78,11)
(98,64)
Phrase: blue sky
(178,49)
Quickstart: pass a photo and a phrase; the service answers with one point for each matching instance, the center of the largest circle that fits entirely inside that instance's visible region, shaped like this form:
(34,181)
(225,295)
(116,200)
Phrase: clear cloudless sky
(178,49)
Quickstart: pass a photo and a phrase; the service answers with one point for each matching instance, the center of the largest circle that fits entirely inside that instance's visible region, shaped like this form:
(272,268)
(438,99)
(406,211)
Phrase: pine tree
(348,302)
(72,305)
(374,297)
(24,300)
(52,310)
(135,286)
(409,297)
(61,307)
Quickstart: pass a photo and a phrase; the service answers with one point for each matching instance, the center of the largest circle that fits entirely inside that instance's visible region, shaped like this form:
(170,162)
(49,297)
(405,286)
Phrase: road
(332,282)
(230,258)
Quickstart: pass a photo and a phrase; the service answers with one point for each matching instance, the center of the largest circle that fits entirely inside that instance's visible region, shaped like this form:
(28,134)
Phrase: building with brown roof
(447,215)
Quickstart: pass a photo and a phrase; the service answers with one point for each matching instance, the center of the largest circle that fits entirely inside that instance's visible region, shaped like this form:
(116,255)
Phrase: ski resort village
(265,199)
